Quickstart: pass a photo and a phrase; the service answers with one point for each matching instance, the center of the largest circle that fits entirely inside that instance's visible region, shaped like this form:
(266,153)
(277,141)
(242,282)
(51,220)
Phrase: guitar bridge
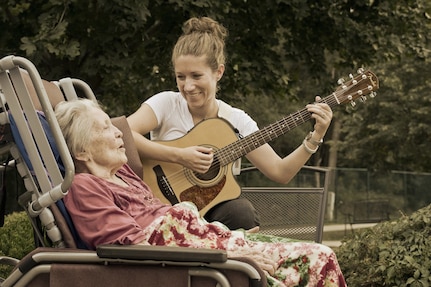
(164,185)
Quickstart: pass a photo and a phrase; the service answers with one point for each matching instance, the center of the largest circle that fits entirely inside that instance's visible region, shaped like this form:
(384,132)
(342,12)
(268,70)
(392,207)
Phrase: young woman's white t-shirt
(174,119)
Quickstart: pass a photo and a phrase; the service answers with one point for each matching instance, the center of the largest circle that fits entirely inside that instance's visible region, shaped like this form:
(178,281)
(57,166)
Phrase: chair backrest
(40,151)
(21,100)
(35,157)
(52,91)
(296,212)
(289,212)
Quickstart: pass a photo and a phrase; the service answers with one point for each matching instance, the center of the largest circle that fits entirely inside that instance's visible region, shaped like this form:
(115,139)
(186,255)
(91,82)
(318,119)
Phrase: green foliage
(392,131)
(16,239)
(395,253)
(284,50)
(123,46)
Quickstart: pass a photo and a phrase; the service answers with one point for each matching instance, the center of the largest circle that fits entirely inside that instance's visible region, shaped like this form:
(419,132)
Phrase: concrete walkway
(341,227)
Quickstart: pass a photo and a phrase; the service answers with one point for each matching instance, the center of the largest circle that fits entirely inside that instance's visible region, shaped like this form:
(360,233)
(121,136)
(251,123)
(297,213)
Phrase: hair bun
(204,25)
(202,37)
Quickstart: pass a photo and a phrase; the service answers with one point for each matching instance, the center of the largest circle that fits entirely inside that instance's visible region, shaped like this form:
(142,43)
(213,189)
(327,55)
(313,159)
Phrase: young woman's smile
(197,82)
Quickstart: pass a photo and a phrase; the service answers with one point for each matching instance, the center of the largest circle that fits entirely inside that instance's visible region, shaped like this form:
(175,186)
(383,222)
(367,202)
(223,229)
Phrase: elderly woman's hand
(264,260)
(253,230)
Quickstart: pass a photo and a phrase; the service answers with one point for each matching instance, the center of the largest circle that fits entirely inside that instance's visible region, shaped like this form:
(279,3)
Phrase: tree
(392,131)
(287,50)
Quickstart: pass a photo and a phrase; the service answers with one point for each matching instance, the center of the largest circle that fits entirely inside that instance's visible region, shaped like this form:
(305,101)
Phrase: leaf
(409,259)
(27,46)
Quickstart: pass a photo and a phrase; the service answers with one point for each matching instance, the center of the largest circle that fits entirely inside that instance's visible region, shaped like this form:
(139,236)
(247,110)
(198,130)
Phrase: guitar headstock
(357,87)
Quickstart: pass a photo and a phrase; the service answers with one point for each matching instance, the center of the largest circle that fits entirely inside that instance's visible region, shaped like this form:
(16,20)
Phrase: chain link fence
(357,195)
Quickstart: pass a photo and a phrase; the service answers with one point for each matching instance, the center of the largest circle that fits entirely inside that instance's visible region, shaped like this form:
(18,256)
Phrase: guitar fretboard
(249,143)
(357,87)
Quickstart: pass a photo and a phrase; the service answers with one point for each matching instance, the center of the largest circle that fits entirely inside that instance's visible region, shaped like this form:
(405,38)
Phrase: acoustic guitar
(173,183)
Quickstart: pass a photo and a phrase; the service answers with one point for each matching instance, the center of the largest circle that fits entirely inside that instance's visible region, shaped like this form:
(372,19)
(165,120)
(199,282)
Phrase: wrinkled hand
(253,230)
(264,260)
(197,158)
(322,113)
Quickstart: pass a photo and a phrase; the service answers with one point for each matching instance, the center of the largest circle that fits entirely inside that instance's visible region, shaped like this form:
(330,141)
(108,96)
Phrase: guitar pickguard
(202,196)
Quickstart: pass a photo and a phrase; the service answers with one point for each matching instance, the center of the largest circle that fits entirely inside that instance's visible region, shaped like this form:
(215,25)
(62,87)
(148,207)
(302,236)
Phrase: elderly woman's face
(106,147)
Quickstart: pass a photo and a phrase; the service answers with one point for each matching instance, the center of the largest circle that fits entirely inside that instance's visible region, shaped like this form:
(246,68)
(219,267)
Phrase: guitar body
(169,180)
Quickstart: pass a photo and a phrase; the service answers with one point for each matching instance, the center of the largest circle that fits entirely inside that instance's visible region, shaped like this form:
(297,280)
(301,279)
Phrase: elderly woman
(109,204)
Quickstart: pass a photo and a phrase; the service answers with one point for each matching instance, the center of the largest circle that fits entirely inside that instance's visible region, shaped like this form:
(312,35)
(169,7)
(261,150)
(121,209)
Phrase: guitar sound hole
(211,173)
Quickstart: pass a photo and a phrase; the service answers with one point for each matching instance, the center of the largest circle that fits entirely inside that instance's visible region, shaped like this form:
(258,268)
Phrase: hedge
(392,253)
(16,239)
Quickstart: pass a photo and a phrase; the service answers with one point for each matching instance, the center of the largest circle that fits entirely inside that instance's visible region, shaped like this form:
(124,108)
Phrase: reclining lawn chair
(57,261)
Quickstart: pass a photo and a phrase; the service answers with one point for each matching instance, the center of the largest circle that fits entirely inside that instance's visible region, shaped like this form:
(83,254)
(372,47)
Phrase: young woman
(198,59)
(109,204)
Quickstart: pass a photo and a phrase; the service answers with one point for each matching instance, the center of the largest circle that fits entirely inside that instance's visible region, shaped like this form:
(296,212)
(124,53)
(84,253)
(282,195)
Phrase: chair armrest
(6,260)
(160,253)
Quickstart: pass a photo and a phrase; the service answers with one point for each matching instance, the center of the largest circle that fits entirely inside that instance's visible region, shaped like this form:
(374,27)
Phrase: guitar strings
(237,149)
(223,156)
(282,126)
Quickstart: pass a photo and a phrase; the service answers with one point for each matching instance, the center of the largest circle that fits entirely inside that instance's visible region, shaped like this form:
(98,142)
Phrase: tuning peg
(373,95)
(360,70)
(363,99)
(354,81)
(353,104)
(340,81)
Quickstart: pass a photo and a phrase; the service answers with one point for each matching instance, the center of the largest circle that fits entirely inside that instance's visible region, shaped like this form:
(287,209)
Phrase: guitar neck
(243,146)
(359,86)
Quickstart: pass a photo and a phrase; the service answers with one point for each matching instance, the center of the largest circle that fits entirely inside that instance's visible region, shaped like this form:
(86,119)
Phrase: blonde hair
(74,120)
(202,37)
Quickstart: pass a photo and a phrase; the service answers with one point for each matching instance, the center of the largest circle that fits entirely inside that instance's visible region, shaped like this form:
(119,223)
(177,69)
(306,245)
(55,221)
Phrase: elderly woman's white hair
(74,120)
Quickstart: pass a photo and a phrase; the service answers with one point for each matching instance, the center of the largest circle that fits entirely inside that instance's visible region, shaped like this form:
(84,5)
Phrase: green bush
(393,253)
(16,239)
